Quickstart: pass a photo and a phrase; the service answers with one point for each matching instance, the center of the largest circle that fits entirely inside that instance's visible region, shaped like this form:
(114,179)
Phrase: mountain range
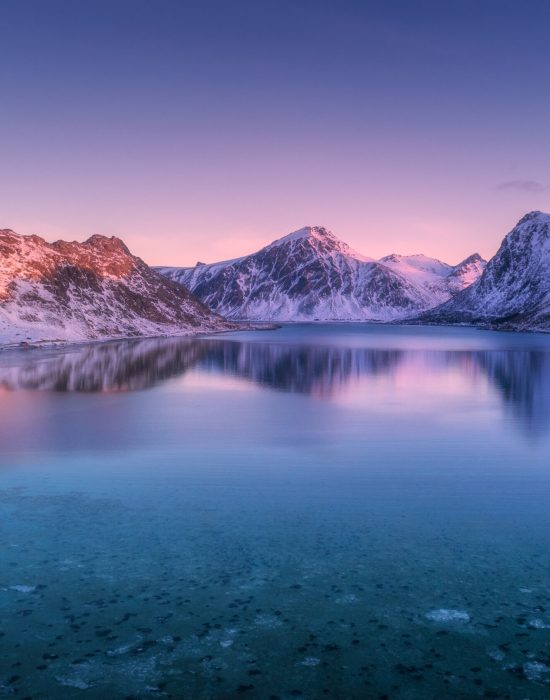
(91,290)
(97,289)
(312,275)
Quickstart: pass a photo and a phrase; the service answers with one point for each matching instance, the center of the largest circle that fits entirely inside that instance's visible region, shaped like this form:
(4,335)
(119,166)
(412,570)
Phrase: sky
(203,130)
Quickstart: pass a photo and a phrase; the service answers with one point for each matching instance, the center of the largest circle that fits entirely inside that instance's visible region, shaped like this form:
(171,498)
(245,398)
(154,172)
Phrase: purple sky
(204,130)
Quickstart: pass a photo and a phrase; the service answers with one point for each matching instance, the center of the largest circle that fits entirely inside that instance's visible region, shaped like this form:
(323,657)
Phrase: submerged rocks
(448,615)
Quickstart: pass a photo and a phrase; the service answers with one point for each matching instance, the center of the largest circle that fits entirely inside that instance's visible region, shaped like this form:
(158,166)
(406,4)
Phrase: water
(341,511)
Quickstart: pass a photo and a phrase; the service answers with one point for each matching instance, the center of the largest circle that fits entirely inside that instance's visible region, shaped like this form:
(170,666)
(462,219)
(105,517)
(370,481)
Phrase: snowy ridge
(466,273)
(318,237)
(92,290)
(310,275)
(514,290)
(439,279)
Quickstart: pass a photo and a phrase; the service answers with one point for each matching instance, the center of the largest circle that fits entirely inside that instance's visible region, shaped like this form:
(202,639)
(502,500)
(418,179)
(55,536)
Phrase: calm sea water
(340,511)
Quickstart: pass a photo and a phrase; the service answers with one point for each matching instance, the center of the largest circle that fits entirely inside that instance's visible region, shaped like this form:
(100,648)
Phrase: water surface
(341,511)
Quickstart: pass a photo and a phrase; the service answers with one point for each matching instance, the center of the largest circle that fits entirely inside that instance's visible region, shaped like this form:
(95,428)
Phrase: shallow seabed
(341,511)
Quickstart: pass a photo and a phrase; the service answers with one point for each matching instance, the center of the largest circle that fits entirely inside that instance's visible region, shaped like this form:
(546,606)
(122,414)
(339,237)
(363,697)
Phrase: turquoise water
(341,511)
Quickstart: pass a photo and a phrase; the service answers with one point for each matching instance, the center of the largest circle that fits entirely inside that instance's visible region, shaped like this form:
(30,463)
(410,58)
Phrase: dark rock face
(311,275)
(514,290)
(95,289)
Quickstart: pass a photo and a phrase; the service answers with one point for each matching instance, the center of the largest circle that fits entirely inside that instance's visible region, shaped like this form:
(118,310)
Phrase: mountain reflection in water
(521,377)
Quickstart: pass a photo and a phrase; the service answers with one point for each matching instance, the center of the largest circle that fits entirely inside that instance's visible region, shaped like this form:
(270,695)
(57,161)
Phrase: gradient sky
(202,130)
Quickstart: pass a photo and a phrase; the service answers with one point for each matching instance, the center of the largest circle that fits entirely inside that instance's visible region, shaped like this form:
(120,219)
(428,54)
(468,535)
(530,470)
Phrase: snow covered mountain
(91,290)
(312,275)
(439,279)
(514,290)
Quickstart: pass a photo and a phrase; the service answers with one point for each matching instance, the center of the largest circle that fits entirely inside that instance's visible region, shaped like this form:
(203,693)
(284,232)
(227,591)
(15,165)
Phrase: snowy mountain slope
(422,267)
(307,275)
(514,290)
(465,273)
(312,275)
(439,279)
(91,290)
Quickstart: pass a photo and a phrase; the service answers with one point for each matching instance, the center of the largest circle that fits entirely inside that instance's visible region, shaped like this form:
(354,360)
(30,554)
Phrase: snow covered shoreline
(77,342)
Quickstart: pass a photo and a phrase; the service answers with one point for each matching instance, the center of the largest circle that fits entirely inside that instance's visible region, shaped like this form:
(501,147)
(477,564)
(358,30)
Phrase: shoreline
(248,326)
(61,343)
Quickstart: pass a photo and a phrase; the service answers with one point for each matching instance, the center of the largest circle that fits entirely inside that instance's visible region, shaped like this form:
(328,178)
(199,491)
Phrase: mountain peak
(418,264)
(107,244)
(318,239)
(540,215)
(307,232)
(470,260)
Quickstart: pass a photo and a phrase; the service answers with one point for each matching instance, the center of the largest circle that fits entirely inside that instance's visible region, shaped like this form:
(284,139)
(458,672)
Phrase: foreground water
(341,511)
